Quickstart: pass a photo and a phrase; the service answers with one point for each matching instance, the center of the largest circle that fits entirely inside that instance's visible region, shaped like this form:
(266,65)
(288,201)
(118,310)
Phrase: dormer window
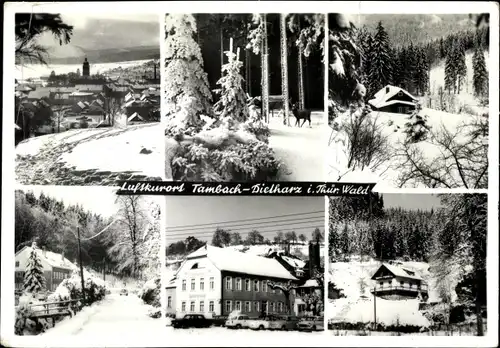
(195,266)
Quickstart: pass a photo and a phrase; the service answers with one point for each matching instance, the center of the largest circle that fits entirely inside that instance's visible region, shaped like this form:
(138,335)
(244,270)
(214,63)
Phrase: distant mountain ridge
(416,28)
(110,55)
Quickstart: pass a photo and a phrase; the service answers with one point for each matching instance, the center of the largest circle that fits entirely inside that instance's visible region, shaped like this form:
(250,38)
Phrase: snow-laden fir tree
(480,77)
(187,91)
(232,102)
(34,280)
(461,65)
(380,73)
(450,70)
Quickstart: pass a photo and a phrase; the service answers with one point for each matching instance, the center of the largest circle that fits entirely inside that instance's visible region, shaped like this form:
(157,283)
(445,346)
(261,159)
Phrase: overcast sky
(202,215)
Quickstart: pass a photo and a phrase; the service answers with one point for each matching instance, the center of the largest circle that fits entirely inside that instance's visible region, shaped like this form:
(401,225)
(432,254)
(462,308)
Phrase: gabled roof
(134,116)
(53,259)
(230,260)
(39,93)
(382,97)
(398,272)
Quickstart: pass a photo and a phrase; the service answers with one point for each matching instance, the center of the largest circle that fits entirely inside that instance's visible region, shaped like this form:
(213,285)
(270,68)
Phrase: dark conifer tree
(381,64)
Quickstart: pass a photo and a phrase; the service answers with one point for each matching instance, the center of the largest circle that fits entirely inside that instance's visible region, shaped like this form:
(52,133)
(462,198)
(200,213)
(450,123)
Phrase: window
(229,283)
(238,284)
(202,283)
(183,308)
(248,307)
(256,306)
(183,284)
(191,308)
(264,286)
(255,285)
(202,306)
(212,283)
(193,284)
(273,307)
(247,284)
(169,302)
(237,305)
(211,306)
(280,307)
(17,263)
(229,307)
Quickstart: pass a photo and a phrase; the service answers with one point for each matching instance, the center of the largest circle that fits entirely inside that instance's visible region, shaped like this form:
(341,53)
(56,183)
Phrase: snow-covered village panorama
(87,98)
(87,263)
(408,99)
(244,266)
(244,97)
(407,264)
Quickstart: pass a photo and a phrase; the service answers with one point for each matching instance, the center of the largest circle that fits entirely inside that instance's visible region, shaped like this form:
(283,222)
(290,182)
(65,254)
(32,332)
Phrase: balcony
(387,289)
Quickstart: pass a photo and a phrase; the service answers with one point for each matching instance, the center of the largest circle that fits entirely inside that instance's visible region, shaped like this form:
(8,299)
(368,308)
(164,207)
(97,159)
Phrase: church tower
(86,68)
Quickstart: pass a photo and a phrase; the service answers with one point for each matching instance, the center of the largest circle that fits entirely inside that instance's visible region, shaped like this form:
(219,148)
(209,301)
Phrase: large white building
(216,281)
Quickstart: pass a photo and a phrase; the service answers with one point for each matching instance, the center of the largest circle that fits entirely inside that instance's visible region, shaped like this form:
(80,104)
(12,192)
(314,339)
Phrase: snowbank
(389,313)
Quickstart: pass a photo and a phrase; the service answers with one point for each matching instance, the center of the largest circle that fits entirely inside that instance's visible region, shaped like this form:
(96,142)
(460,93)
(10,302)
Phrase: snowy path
(302,149)
(114,317)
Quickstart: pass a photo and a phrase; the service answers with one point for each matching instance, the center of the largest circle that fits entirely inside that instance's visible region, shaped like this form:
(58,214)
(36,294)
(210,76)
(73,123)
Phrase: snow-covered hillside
(387,174)
(93,156)
(466,96)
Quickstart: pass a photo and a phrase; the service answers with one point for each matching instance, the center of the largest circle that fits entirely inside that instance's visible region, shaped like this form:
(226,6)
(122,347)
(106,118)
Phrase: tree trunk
(301,76)
(284,68)
(265,71)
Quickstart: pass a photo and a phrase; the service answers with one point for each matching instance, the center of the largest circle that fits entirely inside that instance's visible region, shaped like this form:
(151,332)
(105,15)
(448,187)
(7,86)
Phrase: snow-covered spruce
(199,147)
(34,280)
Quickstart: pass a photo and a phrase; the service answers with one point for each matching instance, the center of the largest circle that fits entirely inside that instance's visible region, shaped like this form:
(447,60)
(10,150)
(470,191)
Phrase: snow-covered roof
(399,271)
(297,263)
(17,127)
(381,97)
(81,105)
(81,94)
(134,116)
(234,261)
(310,283)
(53,259)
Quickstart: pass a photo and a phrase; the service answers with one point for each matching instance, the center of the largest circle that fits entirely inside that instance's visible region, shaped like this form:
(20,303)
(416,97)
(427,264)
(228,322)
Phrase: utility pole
(104,268)
(81,265)
(375,308)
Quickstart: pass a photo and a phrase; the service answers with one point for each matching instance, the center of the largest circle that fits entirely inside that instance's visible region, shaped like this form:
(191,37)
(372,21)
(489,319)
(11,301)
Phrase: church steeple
(86,68)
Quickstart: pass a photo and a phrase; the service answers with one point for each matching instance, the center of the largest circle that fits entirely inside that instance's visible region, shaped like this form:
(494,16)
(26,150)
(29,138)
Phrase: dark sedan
(191,320)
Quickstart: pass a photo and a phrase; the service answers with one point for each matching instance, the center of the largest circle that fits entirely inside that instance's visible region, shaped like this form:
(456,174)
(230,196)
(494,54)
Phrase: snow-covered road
(302,149)
(116,316)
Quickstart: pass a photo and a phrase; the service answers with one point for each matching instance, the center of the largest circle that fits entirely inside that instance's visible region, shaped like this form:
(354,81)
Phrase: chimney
(387,89)
(62,255)
(154,74)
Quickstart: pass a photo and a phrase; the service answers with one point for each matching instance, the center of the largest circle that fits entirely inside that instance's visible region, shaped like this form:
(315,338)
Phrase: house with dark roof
(394,100)
(394,282)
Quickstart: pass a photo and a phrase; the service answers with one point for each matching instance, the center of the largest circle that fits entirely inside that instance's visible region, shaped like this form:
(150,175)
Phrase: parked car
(284,323)
(191,320)
(260,324)
(237,322)
(311,324)
(124,292)
(219,320)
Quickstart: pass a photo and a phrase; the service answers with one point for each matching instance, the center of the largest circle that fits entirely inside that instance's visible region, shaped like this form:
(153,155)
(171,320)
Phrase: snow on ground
(115,316)
(92,156)
(401,312)
(466,96)
(301,149)
(387,174)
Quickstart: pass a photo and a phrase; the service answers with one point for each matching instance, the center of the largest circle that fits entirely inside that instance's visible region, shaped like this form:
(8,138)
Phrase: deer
(300,114)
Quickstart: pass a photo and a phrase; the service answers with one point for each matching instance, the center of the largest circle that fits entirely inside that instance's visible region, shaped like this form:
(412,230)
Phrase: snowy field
(92,156)
(387,174)
(38,70)
(116,316)
(300,148)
